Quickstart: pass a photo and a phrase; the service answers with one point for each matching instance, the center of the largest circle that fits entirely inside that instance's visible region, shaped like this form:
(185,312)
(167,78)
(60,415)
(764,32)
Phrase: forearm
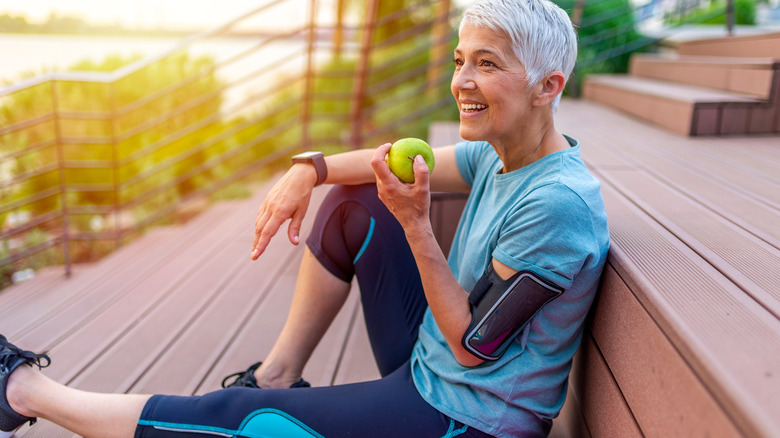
(446,297)
(350,168)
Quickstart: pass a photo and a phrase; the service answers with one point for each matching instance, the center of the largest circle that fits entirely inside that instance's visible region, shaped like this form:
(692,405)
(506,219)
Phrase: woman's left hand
(409,203)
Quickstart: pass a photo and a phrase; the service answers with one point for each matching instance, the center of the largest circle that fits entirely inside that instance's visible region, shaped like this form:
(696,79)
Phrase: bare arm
(410,204)
(446,177)
(289,198)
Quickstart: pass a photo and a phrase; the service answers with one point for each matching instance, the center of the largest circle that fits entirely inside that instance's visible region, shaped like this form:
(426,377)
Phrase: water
(29,53)
(25,55)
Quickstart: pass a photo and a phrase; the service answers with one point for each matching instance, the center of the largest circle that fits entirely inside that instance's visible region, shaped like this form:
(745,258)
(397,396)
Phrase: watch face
(308,154)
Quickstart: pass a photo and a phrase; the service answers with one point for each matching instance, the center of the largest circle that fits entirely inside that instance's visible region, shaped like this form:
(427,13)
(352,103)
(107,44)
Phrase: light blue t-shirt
(547,217)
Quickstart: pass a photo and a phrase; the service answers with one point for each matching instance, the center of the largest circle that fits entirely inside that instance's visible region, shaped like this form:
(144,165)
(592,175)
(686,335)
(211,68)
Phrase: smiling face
(491,88)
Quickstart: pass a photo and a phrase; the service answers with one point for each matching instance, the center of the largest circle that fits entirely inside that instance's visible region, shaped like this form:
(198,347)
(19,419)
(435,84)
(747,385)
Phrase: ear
(549,88)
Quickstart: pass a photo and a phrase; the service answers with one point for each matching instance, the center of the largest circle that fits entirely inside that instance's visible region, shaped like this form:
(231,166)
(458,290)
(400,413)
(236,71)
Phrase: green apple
(400,159)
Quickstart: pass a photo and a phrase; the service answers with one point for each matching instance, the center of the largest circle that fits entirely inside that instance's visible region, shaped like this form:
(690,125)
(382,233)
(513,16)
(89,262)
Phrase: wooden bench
(684,336)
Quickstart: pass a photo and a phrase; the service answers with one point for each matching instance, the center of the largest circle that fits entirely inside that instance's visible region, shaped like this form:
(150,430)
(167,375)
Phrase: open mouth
(473,107)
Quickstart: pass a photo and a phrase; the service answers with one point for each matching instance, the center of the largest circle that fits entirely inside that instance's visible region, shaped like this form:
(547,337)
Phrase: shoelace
(10,353)
(239,377)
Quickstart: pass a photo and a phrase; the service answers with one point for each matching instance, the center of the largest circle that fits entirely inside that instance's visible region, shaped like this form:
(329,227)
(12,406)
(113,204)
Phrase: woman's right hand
(288,199)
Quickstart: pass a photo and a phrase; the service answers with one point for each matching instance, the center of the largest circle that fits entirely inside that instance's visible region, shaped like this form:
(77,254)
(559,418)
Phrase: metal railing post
(115,165)
(730,17)
(338,33)
(361,73)
(61,172)
(309,85)
(576,18)
(439,44)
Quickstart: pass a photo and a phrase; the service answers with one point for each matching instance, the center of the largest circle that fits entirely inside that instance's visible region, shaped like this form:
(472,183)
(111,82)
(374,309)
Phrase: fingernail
(295,239)
(255,253)
(419,159)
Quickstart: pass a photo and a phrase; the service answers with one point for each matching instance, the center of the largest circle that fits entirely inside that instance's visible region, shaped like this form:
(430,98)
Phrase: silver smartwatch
(317,159)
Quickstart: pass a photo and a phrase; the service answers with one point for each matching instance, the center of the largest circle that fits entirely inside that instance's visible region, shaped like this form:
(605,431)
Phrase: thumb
(420,171)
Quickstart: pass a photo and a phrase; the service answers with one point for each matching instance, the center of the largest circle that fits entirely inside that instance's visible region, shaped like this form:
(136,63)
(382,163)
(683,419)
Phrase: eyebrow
(479,52)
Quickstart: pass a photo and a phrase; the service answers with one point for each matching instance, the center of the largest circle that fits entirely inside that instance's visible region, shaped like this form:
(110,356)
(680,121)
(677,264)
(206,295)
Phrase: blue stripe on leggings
(263,423)
(365,242)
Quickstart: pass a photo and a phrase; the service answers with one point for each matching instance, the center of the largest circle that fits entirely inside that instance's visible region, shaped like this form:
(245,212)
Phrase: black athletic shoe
(11,357)
(246,379)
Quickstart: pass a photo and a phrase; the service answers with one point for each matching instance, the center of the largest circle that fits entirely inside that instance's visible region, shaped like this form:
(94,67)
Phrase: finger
(264,235)
(378,162)
(294,229)
(262,218)
(421,171)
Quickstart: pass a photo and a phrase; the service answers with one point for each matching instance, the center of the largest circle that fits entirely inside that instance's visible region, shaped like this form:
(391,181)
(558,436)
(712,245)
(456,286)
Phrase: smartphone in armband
(500,309)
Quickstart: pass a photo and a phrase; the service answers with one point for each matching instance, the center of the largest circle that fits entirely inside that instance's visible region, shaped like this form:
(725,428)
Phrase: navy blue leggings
(353,234)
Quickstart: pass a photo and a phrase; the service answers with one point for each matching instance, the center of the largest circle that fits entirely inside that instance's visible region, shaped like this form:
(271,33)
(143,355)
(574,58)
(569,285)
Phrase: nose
(463,79)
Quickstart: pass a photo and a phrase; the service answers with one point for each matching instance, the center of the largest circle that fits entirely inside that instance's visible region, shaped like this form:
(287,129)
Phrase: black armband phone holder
(500,309)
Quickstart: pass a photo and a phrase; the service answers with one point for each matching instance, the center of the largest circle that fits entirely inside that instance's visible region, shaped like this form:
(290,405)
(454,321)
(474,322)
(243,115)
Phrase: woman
(533,213)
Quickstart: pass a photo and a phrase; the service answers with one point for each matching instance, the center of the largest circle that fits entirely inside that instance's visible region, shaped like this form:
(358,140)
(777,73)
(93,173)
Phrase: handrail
(134,158)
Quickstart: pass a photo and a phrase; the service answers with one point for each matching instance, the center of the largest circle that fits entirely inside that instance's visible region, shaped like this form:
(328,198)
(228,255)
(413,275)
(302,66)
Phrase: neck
(533,144)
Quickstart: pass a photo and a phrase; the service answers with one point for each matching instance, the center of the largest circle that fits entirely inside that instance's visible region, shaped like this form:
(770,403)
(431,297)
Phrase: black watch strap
(318,160)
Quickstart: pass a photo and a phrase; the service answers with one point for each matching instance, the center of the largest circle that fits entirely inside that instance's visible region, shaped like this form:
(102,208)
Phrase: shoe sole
(6,434)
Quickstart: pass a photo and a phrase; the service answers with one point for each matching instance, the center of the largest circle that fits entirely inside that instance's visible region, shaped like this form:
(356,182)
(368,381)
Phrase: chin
(469,134)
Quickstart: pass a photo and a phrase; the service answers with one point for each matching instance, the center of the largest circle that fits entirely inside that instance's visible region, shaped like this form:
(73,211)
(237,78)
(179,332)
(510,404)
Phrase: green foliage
(715,14)
(137,148)
(606,34)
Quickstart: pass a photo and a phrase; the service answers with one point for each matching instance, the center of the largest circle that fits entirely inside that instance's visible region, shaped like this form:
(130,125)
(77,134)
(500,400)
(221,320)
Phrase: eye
(486,63)
(458,62)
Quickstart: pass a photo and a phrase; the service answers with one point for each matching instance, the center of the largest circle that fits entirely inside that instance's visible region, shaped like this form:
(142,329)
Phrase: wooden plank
(605,410)
(204,337)
(658,153)
(766,44)
(663,393)
(256,332)
(150,349)
(670,90)
(130,292)
(675,115)
(45,279)
(117,275)
(751,76)
(748,261)
(728,339)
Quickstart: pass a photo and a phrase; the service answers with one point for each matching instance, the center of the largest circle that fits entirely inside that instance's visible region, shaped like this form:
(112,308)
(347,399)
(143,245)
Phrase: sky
(171,14)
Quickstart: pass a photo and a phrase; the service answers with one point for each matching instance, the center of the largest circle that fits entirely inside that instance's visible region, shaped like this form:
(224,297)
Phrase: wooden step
(766,45)
(684,109)
(751,76)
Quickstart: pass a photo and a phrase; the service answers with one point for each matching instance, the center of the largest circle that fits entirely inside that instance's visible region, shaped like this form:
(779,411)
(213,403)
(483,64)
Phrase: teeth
(473,106)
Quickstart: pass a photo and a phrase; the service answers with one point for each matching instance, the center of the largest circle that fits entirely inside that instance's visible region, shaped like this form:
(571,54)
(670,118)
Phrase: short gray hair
(541,34)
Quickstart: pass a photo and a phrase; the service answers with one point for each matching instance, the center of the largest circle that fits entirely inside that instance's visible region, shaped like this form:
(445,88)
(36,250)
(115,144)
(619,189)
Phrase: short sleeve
(550,232)
(468,155)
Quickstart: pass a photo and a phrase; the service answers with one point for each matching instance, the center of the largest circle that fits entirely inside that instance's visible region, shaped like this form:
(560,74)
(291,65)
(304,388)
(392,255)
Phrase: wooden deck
(685,335)
(174,312)
(696,240)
